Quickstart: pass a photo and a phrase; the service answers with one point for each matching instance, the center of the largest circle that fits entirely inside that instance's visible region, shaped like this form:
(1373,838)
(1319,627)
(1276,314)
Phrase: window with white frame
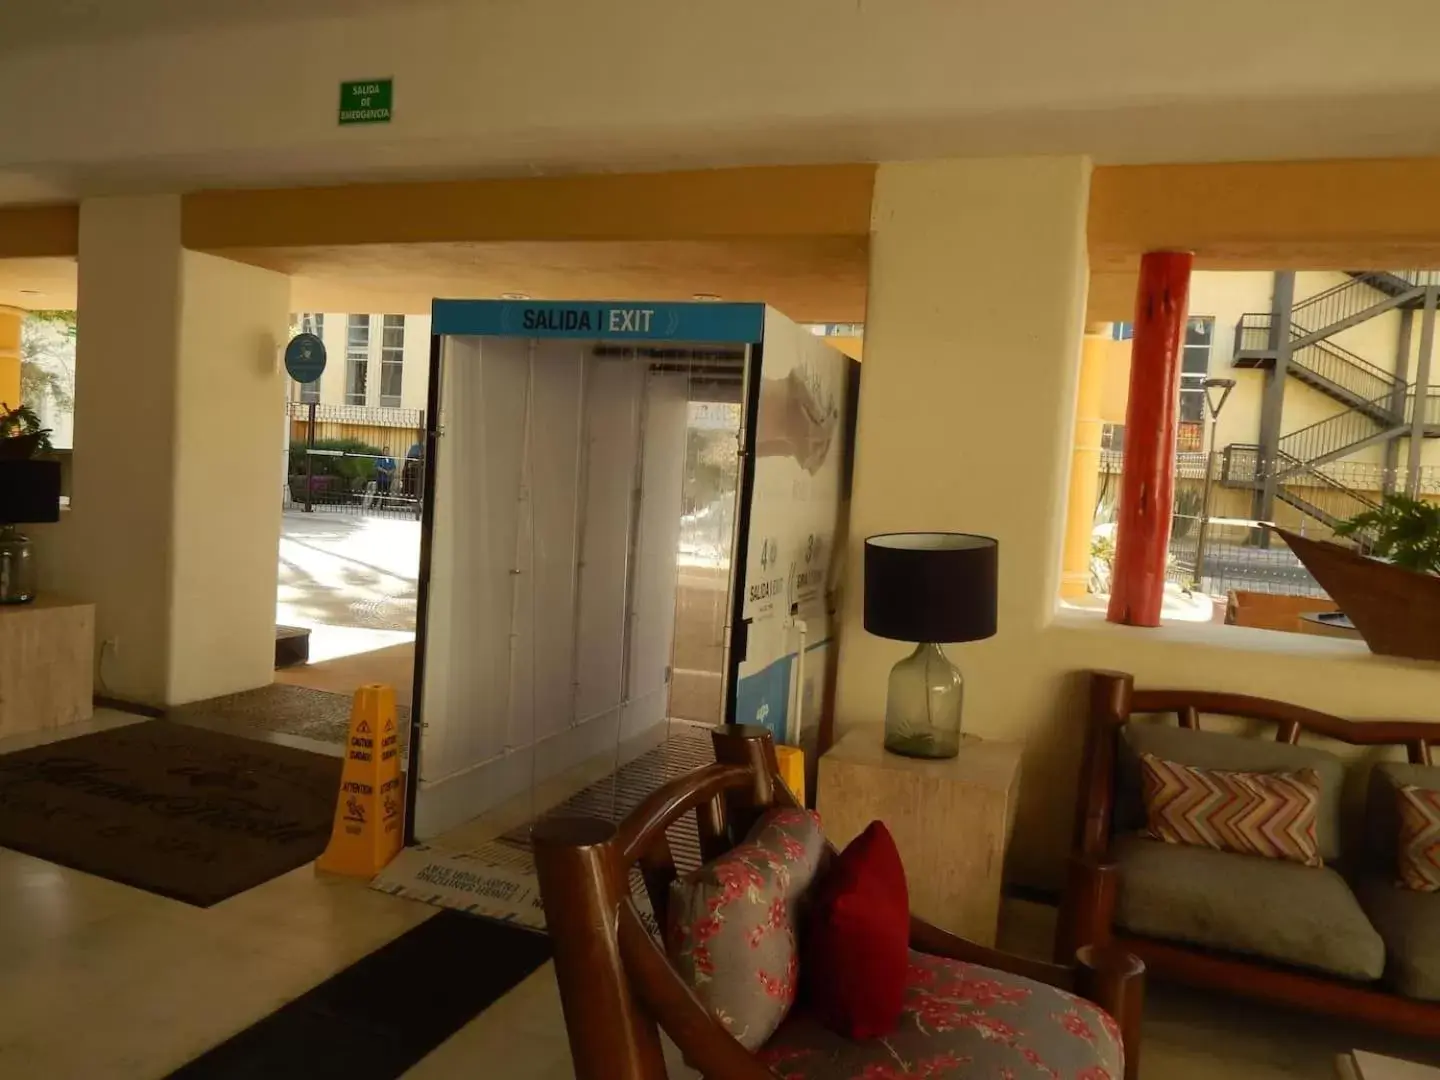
(357,359)
(1195,367)
(392,359)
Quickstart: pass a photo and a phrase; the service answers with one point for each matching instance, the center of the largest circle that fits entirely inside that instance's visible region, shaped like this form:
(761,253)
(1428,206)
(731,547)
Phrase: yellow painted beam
(10,323)
(30,232)
(781,202)
(1304,215)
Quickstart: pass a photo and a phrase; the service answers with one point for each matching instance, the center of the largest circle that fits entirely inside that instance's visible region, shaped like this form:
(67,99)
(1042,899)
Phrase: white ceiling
(108,96)
(27,24)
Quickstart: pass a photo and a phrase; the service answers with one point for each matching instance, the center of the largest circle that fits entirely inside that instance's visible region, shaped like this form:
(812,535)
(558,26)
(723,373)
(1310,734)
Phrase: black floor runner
(385,1012)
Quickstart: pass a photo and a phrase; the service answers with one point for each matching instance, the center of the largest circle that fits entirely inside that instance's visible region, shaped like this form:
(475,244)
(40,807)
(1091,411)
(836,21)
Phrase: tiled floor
(103,982)
(99,981)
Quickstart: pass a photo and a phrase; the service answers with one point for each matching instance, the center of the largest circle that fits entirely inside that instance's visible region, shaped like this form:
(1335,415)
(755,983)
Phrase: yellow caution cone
(791,760)
(367,832)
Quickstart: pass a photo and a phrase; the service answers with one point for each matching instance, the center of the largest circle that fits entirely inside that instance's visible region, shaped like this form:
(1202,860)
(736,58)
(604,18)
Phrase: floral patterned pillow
(731,929)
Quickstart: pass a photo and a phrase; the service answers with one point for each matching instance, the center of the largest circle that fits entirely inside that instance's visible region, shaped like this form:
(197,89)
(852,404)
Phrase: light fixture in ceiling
(514,296)
(706,298)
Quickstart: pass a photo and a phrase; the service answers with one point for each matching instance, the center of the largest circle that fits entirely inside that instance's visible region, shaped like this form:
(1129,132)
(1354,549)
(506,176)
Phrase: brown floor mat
(188,813)
(284,710)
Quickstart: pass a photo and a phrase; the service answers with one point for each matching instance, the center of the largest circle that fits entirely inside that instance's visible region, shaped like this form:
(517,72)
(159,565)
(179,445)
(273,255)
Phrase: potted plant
(1392,595)
(22,436)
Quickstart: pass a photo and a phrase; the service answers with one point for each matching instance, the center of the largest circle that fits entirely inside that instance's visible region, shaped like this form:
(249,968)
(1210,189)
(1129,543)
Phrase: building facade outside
(1218,303)
(375,384)
(1331,441)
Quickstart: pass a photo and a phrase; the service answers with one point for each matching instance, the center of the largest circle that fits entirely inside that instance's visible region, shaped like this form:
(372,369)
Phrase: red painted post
(1147,479)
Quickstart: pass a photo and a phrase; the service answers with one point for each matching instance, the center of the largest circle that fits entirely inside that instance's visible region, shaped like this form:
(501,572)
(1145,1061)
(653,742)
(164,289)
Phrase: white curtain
(553,559)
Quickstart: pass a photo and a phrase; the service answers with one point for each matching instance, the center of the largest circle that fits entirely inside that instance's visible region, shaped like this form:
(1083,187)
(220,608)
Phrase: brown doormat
(281,709)
(191,814)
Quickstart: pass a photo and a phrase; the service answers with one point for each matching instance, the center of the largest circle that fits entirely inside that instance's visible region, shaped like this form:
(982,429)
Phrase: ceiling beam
(1301,215)
(781,202)
(39,232)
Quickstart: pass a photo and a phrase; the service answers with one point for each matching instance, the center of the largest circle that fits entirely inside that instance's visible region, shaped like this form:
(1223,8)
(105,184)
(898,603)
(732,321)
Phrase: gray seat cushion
(1409,922)
(959,1021)
(1214,750)
(1382,820)
(1282,911)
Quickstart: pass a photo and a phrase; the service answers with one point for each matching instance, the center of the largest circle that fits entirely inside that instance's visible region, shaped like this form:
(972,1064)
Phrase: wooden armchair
(1101,867)
(617,985)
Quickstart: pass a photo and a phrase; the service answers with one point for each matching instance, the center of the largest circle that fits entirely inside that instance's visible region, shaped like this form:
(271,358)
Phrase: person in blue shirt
(384,471)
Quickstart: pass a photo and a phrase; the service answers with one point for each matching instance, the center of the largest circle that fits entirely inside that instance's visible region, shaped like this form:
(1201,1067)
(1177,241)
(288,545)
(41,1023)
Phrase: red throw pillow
(858,947)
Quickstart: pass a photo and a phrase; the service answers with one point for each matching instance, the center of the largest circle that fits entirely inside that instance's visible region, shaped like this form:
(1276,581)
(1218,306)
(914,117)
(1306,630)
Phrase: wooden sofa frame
(1087,912)
(617,986)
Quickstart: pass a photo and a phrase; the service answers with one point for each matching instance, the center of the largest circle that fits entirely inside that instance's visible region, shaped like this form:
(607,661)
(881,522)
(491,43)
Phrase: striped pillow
(1248,813)
(1419,839)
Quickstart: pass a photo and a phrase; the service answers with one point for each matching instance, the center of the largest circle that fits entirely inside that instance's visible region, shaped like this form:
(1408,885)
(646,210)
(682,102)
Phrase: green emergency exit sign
(367,101)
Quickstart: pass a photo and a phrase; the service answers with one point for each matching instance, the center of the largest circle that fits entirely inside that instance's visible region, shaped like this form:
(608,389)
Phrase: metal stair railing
(1252,332)
(1352,301)
(1325,499)
(1363,381)
(1335,435)
(1307,489)
(1415,279)
(1431,406)
(1344,369)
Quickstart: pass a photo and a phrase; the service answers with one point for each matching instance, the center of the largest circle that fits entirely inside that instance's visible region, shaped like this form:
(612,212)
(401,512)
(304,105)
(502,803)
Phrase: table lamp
(930,588)
(29,492)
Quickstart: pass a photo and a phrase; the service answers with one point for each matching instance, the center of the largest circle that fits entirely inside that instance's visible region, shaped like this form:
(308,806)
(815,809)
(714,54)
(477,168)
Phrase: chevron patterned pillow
(1248,813)
(1419,839)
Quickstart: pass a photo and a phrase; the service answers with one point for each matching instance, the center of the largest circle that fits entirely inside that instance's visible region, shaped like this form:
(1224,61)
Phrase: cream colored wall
(1225,297)
(226,528)
(947,237)
(114,545)
(174,524)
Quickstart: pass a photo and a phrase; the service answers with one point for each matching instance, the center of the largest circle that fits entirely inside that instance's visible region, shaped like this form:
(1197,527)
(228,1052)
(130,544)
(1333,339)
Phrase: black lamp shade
(29,491)
(931,587)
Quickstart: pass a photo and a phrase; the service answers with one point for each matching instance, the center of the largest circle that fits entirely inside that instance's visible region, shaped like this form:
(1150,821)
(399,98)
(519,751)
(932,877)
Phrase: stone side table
(47,664)
(951,820)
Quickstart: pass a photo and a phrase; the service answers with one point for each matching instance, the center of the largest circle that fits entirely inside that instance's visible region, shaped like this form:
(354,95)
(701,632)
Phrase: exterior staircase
(1323,365)
(1378,406)
(1316,495)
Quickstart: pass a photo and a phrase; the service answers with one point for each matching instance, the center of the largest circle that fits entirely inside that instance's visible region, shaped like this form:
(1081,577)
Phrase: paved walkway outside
(351,579)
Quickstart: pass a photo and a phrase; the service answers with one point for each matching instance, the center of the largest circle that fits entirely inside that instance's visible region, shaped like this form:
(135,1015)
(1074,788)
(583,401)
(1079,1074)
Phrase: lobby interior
(974,193)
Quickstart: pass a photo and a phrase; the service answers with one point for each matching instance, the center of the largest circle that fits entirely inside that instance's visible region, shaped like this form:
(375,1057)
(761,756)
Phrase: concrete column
(1085,462)
(175,522)
(967,403)
(10,323)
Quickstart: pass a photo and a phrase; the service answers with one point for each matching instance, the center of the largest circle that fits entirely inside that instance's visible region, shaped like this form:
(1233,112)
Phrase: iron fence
(336,466)
(1223,550)
(1227,548)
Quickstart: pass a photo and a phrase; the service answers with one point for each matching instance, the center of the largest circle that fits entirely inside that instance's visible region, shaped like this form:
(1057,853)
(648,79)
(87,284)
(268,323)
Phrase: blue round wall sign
(305,358)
